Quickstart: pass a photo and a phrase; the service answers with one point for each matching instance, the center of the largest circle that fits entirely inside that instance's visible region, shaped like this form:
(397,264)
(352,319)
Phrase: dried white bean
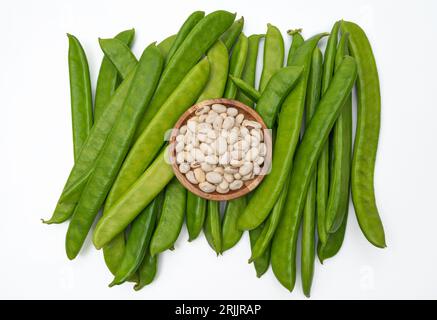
(180,146)
(224,159)
(219,108)
(259,161)
(207,187)
(252,154)
(228,123)
(211,159)
(206,167)
(199,175)
(232,112)
(236,163)
(236,184)
(184,167)
(202,110)
(214,177)
(239,118)
(190,177)
(180,157)
(253,124)
(228,177)
(246,168)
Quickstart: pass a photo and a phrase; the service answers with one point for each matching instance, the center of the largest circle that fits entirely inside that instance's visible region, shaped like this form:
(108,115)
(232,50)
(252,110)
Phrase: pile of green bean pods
(304,96)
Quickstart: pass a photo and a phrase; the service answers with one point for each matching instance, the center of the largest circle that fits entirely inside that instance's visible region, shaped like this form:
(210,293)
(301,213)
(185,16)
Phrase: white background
(36,152)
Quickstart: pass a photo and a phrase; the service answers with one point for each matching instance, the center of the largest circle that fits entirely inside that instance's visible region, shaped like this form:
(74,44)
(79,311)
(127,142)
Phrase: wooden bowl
(249,114)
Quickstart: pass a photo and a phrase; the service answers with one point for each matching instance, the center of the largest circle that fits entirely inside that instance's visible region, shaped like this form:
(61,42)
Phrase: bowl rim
(249,185)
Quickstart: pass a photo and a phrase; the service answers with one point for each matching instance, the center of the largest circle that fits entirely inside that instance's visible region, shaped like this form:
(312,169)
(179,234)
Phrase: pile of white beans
(219,150)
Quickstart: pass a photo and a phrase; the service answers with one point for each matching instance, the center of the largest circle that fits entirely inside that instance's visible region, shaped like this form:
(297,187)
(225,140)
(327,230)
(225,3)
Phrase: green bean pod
(341,144)
(195,45)
(296,41)
(115,149)
(183,32)
(138,241)
(249,72)
(230,233)
(248,90)
(212,228)
(273,55)
(316,135)
(171,220)
(80,93)
(218,58)
(261,263)
(333,244)
(119,54)
(323,162)
(196,212)
(165,45)
(124,211)
(308,251)
(150,142)
(108,79)
(366,137)
(236,65)
(146,271)
(231,35)
(289,125)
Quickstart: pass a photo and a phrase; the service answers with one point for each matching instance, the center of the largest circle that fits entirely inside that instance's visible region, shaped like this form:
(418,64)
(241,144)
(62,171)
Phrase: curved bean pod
(249,72)
(198,41)
(323,163)
(230,233)
(289,125)
(261,263)
(80,92)
(308,251)
(124,211)
(196,212)
(150,142)
(146,271)
(333,243)
(296,41)
(231,35)
(171,220)
(212,228)
(108,80)
(236,65)
(366,137)
(138,241)
(316,135)
(341,144)
(115,149)
(119,54)
(165,45)
(183,32)
(248,90)
(273,55)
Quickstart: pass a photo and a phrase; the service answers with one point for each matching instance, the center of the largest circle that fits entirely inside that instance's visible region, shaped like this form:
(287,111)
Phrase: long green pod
(231,35)
(171,219)
(366,137)
(150,142)
(236,65)
(333,244)
(196,44)
(165,45)
(119,54)
(323,162)
(316,135)
(308,251)
(115,149)
(230,233)
(261,263)
(296,41)
(273,55)
(341,144)
(212,227)
(249,72)
(183,32)
(146,271)
(250,93)
(218,58)
(84,165)
(80,94)
(108,79)
(124,211)
(138,241)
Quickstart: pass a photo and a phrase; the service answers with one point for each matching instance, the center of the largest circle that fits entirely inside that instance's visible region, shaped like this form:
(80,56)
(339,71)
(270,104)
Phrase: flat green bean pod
(171,219)
(231,35)
(115,149)
(248,90)
(124,211)
(249,72)
(196,212)
(108,79)
(212,228)
(289,125)
(230,233)
(273,55)
(138,241)
(366,137)
(261,263)
(183,32)
(196,44)
(146,271)
(119,54)
(333,243)
(150,142)
(165,45)
(236,65)
(316,135)
(80,92)
(296,42)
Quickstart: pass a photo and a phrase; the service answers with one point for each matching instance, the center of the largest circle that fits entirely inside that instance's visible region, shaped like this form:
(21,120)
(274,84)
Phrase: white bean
(183,130)
(259,161)
(184,167)
(252,154)
(230,170)
(180,157)
(211,159)
(199,175)
(219,108)
(180,146)
(224,159)
(206,167)
(239,118)
(180,138)
(217,124)
(232,112)
(228,123)
(192,125)
(214,177)
(190,177)
(207,187)
(253,124)
(236,163)
(246,168)
(202,110)
(262,149)
(236,184)
(228,177)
